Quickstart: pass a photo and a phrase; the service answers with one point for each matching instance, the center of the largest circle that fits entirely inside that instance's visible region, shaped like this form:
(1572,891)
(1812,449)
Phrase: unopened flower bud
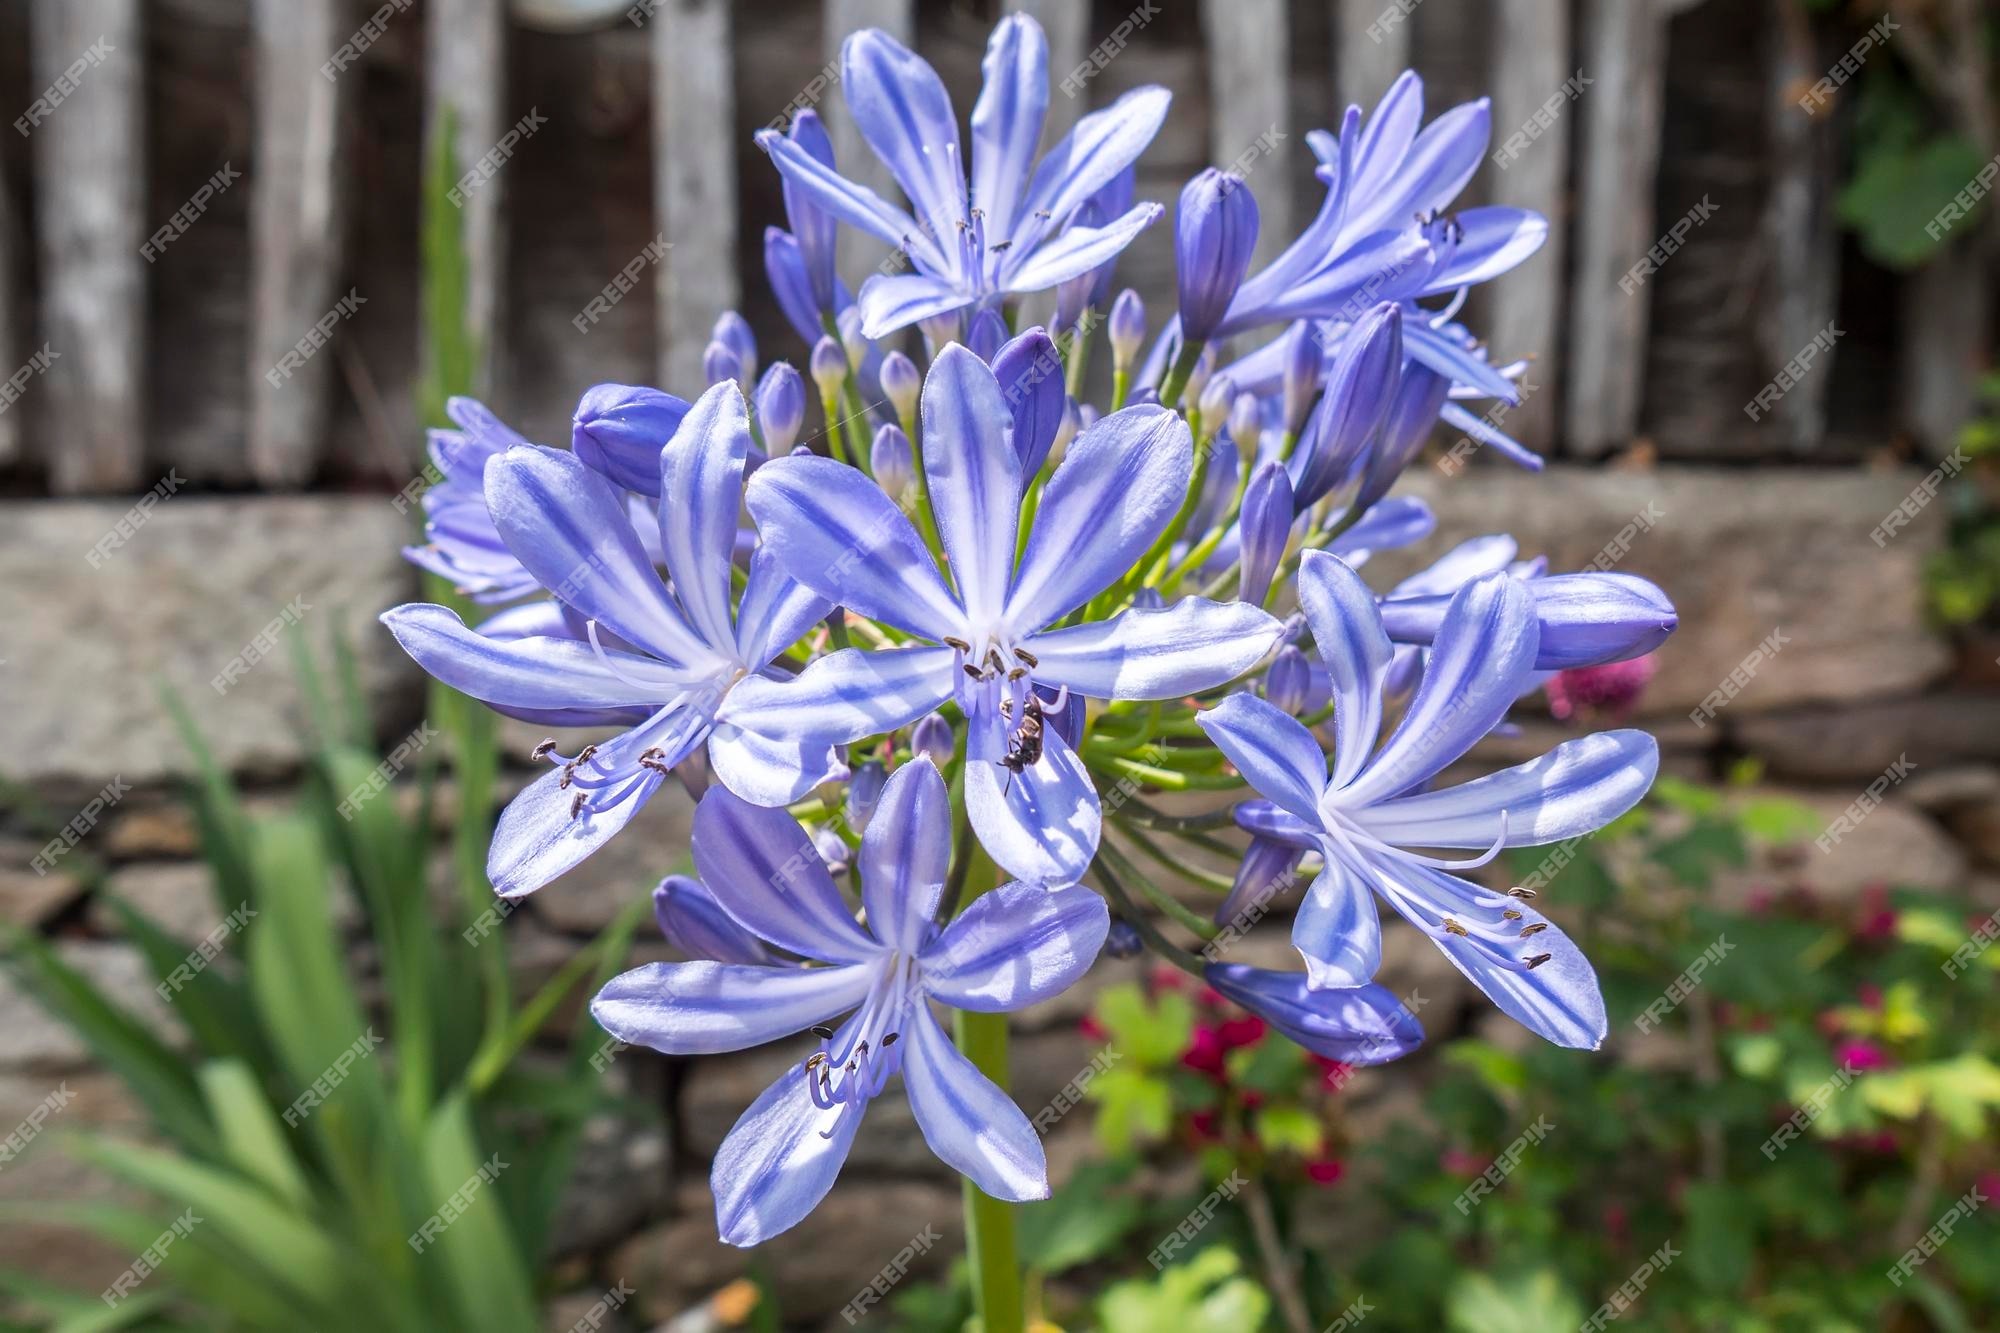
(1304,359)
(828,366)
(1122,940)
(864,793)
(733,332)
(901,383)
(1072,422)
(1197,381)
(1246,425)
(719,364)
(1288,680)
(1127,328)
(890,460)
(941,329)
(931,738)
(851,341)
(1265,528)
(1216,399)
(986,336)
(619,430)
(781,407)
(1214,232)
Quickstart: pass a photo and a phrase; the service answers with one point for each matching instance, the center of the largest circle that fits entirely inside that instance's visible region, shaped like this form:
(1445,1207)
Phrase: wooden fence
(164,327)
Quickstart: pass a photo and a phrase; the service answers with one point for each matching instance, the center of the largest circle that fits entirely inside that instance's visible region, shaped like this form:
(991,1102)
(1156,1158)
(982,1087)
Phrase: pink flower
(1612,689)
(1860,1055)
(1326,1170)
(1245,1031)
(1204,1054)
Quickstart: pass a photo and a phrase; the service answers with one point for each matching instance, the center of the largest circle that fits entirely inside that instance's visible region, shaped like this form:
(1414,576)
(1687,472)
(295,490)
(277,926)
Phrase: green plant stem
(1177,376)
(1114,888)
(992,1245)
(1192,921)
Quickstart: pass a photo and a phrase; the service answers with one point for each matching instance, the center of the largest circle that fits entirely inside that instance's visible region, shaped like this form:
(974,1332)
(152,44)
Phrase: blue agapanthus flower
(460,542)
(668,662)
(992,642)
(1365,816)
(1011,947)
(1013,230)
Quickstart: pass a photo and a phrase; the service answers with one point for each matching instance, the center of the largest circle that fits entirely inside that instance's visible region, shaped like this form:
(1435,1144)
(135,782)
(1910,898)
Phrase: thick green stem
(1177,377)
(991,1246)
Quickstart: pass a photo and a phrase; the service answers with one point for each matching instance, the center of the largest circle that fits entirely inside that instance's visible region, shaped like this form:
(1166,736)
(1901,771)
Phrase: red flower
(1612,689)
(1206,1126)
(1246,1031)
(1092,1029)
(1461,1162)
(1860,1055)
(1876,919)
(1326,1170)
(1204,1053)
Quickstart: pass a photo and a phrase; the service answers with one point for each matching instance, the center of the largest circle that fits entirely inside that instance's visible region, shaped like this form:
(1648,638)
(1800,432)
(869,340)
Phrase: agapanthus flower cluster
(975,628)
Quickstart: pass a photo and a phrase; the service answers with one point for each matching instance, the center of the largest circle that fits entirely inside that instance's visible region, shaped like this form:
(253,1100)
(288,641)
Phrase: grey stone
(190,591)
(1939,790)
(1741,553)
(1856,742)
(177,895)
(817,1267)
(26,897)
(620,1178)
(42,1172)
(1894,844)
(33,1038)
(143,831)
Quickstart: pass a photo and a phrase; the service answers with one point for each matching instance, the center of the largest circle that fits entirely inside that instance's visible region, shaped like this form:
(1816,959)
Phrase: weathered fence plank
(465,87)
(13,304)
(1801,241)
(1371,46)
(88,129)
(1249,65)
(1624,50)
(306,61)
(857,162)
(694,180)
(1531,60)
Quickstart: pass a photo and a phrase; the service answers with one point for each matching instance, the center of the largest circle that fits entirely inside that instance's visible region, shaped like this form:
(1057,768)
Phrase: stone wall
(1858,682)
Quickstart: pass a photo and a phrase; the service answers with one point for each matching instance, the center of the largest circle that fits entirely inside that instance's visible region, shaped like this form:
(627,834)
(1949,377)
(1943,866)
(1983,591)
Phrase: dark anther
(959,644)
(973,671)
(576,806)
(1027,657)
(586,754)
(1017,673)
(1535,929)
(1453,926)
(823,1033)
(814,1060)
(1511,915)
(1538,960)
(999,246)
(1518,892)
(541,752)
(890,1040)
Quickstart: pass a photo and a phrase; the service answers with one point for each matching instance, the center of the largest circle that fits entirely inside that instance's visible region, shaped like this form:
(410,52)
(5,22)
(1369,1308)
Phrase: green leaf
(1207,1294)
(1897,191)
(1286,1128)
(485,1269)
(1132,1106)
(1720,1239)
(1523,1303)
(1503,1073)
(1084,1220)
(1153,1035)
(250,1132)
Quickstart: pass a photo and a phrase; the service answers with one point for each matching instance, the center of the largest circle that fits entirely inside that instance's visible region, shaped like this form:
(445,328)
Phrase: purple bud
(941,329)
(1246,425)
(781,407)
(828,366)
(1419,399)
(1112,201)
(785,270)
(1086,417)
(901,383)
(832,849)
(719,364)
(931,738)
(816,230)
(1288,681)
(851,340)
(1357,1025)
(695,923)
(1586,619)
(1072,298)
(1265,872)
(1360,386)
(986,335)
(1214,233)
(619,430)
(1072,422)
(1030,372)
(1304,360)
(1197,380)
(733,332)
(1217,397)
(1127,328)
(1123,939)
(864,793)
(1265,528)
(1148,599)
(890,460)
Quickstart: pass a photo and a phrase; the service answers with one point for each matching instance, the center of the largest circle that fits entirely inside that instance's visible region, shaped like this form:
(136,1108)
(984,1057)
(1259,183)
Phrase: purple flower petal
(771,769)
(568,524)
(901,108)
(701,494)
(1193,645)
(1076,252)
(1337,930)
(1272,750)
(1007,119)
(1016,945)
(774,1167)
(856,205)
(776,611)
(695,923)
(1574,789)
(905,856)
(1348,631)
(889,302)
(974,476)
(535,672)
(845,695)
(762,868)
(1103,144)
(1040,824)
(705,1008)
(1480,663)
(836,532)
(1120,483)
(970,1123)
(1030,372)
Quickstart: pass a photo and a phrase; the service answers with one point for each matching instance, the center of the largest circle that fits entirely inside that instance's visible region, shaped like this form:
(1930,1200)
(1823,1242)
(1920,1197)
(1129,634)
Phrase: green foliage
(311,1135)
(1962,581)
(1207,1294)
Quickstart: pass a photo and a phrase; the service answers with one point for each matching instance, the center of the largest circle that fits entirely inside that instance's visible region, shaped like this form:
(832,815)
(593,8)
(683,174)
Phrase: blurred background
(247,249)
